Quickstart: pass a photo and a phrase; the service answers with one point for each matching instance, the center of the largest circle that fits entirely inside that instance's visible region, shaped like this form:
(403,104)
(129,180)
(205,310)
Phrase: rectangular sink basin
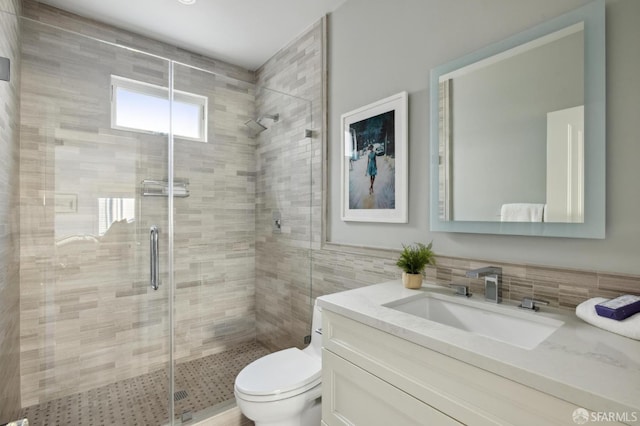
(519,328)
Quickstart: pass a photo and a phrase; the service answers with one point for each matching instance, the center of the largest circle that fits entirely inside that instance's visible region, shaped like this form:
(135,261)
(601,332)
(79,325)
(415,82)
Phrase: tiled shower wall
(88,316)
(214,228)
(9,214)
(289,182)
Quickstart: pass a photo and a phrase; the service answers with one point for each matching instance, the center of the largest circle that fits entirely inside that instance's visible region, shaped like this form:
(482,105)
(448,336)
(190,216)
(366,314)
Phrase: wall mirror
(518,133)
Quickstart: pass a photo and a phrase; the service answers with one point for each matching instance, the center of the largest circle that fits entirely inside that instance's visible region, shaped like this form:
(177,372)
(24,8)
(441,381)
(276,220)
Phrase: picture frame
(374,165)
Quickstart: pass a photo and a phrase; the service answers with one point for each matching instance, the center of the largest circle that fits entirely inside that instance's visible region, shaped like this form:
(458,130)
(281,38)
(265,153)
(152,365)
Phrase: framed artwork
(374,162)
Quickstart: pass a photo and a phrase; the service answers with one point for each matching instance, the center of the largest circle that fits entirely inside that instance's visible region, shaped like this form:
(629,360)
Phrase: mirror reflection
(511,134)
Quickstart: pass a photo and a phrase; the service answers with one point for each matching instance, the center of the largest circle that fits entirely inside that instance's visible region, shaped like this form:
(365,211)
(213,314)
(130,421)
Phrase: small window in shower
(144,107)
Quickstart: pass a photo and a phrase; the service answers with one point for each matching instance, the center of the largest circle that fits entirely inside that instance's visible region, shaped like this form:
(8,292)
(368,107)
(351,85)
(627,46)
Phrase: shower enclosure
(149,213)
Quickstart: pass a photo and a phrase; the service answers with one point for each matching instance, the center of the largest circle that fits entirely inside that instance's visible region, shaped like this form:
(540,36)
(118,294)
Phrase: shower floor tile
(142,400)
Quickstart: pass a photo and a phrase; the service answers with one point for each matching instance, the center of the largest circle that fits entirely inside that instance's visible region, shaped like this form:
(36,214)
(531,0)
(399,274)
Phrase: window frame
(160,92)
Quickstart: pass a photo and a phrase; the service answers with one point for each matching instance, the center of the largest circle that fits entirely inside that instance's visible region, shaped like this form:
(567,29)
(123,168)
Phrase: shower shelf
(160,188)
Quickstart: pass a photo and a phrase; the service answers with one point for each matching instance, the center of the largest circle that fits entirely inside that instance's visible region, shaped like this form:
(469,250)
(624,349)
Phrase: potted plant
(413,259)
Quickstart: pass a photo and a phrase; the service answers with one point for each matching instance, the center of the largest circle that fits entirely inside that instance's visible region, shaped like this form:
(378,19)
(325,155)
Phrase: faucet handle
(461,289)
(530,303)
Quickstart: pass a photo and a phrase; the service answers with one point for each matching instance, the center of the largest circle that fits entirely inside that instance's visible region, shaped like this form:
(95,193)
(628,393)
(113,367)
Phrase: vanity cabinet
(374,378)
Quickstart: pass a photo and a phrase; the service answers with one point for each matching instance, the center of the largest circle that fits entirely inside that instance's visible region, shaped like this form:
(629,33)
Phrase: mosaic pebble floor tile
(142,400)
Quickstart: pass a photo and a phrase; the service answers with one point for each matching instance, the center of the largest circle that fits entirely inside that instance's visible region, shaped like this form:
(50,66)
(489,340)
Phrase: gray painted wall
(378,48)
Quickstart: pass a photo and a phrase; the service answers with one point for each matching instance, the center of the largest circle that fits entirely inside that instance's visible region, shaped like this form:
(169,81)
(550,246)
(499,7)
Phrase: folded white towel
(629,327)
(521,212)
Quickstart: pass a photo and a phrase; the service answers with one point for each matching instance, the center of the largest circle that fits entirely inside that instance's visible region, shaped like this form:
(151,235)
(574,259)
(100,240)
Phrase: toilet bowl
(284,388)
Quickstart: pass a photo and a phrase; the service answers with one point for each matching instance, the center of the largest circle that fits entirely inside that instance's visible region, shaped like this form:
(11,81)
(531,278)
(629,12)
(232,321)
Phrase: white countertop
(579,363)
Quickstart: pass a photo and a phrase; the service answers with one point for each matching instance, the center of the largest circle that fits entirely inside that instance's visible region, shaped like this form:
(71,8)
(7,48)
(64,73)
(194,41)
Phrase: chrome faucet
(492,282)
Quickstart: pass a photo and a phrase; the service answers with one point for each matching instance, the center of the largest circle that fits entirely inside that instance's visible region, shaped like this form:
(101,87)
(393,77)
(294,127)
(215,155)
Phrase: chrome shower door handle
(154,258)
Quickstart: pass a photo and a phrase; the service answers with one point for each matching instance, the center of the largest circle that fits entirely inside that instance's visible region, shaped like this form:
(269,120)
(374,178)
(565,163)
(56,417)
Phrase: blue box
(619,308)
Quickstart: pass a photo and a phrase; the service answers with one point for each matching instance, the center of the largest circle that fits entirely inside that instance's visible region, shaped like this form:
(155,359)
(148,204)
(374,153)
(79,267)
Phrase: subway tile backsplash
(337,270)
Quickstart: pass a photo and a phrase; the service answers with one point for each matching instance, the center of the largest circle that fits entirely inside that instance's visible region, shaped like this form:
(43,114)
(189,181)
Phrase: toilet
(284,388)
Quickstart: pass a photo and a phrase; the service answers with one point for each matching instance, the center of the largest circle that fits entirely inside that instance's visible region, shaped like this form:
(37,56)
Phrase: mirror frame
(593,16)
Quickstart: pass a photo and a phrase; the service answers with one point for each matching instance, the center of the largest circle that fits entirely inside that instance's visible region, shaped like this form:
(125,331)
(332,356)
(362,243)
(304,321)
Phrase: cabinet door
(352,396)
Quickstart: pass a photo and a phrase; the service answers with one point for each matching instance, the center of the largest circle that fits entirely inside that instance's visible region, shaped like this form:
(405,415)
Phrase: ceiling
(242,32)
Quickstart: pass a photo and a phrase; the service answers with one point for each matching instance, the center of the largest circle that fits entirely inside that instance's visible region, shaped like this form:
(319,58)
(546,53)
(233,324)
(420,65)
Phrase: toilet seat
(279,375)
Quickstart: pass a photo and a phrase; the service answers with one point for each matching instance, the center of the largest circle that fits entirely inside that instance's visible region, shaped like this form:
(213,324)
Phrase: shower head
(257,127)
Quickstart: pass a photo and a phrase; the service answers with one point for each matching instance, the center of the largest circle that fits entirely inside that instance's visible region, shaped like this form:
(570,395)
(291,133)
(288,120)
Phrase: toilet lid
(279,372)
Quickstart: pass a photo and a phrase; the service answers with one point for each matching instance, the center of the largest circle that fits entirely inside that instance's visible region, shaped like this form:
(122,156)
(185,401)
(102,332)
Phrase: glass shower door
(235,269)
(94,167)
(214,239)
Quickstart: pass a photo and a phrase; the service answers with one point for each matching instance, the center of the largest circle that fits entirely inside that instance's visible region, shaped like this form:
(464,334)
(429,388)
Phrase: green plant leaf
(414,258)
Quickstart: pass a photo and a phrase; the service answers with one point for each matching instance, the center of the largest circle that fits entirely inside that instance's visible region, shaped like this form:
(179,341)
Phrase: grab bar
(154,258)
